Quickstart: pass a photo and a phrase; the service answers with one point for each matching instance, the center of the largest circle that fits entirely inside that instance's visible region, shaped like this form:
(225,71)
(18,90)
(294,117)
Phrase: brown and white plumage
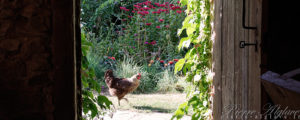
(119,87)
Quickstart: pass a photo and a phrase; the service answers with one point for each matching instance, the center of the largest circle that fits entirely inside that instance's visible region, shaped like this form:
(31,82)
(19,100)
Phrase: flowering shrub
(148,30)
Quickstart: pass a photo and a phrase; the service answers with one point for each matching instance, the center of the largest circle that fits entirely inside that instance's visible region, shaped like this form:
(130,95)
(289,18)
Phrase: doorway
(280,45)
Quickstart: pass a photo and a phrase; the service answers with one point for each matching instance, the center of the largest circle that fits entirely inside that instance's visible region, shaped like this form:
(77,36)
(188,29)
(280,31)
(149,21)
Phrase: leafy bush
(92,105)
(167,82)
(196,63)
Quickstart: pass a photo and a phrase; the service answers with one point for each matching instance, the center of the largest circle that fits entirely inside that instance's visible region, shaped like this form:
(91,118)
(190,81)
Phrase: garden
(167,41)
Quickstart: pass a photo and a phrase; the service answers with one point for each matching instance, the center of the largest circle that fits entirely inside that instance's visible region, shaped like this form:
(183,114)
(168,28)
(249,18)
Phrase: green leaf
(103,102)
(184,42)
(179,65)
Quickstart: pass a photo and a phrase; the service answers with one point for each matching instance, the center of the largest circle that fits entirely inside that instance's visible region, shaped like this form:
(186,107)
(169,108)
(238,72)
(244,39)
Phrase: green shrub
(167,82)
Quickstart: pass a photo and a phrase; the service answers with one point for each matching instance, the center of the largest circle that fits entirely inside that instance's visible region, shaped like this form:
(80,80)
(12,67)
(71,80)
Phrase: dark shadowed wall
(37,59)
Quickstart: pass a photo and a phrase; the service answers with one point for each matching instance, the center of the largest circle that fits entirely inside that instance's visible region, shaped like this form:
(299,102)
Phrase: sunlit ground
(163,103)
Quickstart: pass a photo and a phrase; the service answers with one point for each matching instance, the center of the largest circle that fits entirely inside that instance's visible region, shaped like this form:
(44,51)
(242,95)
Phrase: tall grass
(167,82)
(153,79)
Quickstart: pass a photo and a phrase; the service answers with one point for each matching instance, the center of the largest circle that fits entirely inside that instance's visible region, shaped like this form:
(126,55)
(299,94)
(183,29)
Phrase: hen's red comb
(139,74)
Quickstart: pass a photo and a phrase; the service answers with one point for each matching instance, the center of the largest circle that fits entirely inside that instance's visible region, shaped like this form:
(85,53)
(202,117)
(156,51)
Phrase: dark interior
(280,32)
(280,39)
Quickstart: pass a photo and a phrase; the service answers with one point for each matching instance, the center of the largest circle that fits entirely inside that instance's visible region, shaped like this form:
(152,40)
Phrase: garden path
(131,115)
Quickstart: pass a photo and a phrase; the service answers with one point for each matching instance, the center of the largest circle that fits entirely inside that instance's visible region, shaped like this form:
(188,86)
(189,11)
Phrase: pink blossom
(146,12)
(122,8)
(179,11)
(148,24)
(146,8)
(153,42)
(161,20)
(158,27)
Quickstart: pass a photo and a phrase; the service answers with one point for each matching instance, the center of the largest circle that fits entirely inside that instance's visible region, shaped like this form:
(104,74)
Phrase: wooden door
(237,71)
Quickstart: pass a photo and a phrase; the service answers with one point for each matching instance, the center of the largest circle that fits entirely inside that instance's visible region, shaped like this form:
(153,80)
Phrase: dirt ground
(130,115)
(147,107)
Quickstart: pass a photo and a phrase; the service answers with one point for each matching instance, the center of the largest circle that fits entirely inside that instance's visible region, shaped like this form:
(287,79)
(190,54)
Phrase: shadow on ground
(153,109)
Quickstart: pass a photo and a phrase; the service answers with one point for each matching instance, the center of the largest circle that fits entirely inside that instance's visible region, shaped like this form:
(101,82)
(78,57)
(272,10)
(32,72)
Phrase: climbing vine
(196,65)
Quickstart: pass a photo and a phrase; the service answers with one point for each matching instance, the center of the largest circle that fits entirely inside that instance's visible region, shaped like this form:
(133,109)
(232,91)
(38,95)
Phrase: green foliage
(91,103)
(196,63)
(167,82)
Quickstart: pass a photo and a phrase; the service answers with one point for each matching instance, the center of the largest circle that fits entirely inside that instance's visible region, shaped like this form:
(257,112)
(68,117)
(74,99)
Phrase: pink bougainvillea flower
(133,11)
(171,5)
(176,60)
(146,12)
(126,9)
(173,8)
(137,6)
(157,4)
(146,8)
(141,12)
(178,2)
(153,43)
(148,24)
(158,27)
(171,62)
(162,5)
(147,2)
(151,6)
(113,58)
(167,3)
(122,8)
(161,20)
(167,26)
(179,11)
(153,12)
(161,61)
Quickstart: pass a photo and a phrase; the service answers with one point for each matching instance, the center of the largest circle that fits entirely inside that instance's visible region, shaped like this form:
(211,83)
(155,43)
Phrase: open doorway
(280,51)
(137,42)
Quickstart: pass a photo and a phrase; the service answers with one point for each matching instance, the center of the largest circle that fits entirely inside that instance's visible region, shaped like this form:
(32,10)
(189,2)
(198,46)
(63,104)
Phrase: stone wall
(36,59)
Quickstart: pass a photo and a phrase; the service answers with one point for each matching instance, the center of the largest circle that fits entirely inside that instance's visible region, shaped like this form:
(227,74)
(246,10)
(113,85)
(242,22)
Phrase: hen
(119,87)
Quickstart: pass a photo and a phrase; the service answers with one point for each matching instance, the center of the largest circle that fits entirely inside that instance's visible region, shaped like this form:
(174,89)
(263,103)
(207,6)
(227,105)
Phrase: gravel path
(130,115)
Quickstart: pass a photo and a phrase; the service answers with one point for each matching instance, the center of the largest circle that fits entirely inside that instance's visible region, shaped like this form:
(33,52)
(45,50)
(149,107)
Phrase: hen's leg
(119,101)
(126,99)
